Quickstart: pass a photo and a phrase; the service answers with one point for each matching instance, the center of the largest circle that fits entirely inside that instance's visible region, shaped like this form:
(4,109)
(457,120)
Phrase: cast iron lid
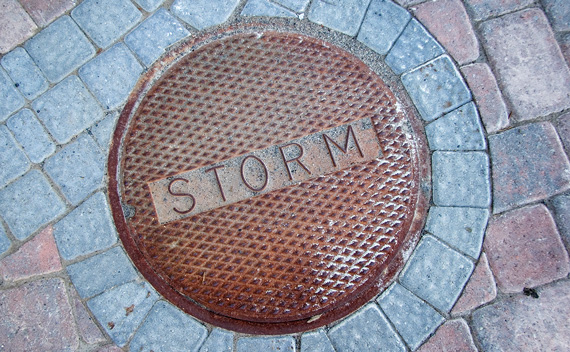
(266,182)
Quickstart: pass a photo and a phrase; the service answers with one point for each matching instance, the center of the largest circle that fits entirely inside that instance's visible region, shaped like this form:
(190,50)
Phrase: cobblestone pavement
(489,78)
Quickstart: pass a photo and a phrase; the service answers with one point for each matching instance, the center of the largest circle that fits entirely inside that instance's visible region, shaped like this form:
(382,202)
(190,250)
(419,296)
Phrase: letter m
(349,133)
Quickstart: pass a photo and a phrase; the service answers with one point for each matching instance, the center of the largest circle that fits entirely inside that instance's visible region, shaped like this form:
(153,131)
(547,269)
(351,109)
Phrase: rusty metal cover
(266,182)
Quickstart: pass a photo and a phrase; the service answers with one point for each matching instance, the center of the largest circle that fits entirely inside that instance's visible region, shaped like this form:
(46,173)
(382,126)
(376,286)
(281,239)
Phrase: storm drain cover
(266,182)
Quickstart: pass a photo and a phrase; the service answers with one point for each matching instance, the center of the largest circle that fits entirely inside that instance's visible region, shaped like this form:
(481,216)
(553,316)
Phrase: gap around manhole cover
(275,180)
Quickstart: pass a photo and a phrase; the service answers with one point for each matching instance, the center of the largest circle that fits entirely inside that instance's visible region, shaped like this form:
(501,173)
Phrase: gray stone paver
(436,273)
(86,229)
(106,20)
(295,5)
(265,8)
(382,25)
(103,130)
(167,328)
(149,5)
(113,268)
(12,100)
(462,228)
(112,75)
(460,129)
(29,203)
(561,205)
(316,341)
(31,135)
(64,117)
(122,309)
(218,341)
(436,88)
(60,48)
(150,39)
(367,330)
(414,47)
(77,169)
(25,74)
(414,319)
(13,160)
(269,344)
(5,242)
(202,14)
(461,179)
(558,12)
(343,16)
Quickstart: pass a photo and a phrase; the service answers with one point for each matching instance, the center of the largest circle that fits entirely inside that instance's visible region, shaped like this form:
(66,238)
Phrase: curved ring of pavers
(57,154)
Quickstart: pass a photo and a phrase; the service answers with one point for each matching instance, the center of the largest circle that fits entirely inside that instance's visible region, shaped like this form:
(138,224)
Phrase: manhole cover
(266,182)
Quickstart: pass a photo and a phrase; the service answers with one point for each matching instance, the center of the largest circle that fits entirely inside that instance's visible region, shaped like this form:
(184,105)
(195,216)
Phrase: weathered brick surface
(36,257)
(480,289)
(25,74)
(343,16)
(486,8)
(487,95)
(45,11)
(558,12)
(15,25)
(529,164)
(525,55)
(12,100)
(565,47)
(561,205)
(563,128)
(382,25)
(452,336)
(524,323)
(31,135)
(448,21)
(13,160)
(37,317)
(85,324)
(525,250)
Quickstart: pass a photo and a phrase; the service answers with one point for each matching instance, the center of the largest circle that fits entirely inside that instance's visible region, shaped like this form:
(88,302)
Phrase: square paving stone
(483,9)
(414,319)
(460,129)
(12,100)
(101,272)
(316,341)
(13,161)
(529,164)
(30,133)
(344,16)
(103,130)
(24,72)
(149,5)
(265,8)
(67,109)
(16,25)
(121,310)
(86,229)
(60,48)
(436,273)
(527,60)
(45,11)
(167,328)
(414,47)
(436,88)
(461,179)
(202,14)
(150,39)
(247,344)
(382,25)
(525,250)
(106,20)
(367,330)
(112,75)
(5,242)
(461,228)
(219,341)
(77,169)
(295,5)
(29,203)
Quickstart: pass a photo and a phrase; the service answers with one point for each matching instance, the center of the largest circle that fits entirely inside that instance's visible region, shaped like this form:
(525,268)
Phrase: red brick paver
(525,249)
(480,289)
(524,323)
(36,257)
(452,336)
(449,23)
(486,8)
(15,25)
(87,327)
(37,317)
(45,11)
(487,95)
(525,55)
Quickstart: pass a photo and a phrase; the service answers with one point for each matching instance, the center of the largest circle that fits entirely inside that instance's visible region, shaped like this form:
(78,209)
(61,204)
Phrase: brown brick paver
(36,257)
(486,8)
(486,92)
(449,23)
(480,289)
(15,25)
(524,323)
(452,336)
(525,249)
(45,11)
(525,55)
